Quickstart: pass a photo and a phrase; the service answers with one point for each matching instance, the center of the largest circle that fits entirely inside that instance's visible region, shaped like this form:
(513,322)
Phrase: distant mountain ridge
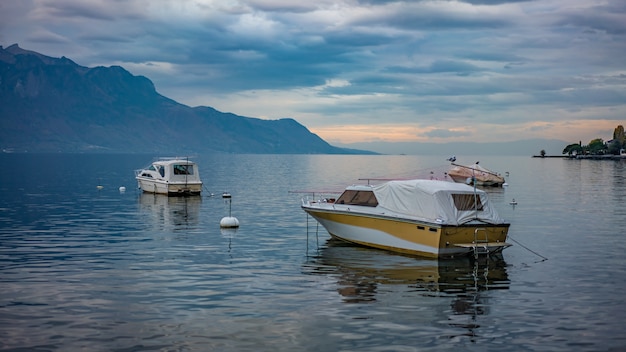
(520,147)
(55,105)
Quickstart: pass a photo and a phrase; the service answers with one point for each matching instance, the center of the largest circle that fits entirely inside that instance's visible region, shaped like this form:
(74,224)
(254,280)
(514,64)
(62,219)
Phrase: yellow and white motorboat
(422,217)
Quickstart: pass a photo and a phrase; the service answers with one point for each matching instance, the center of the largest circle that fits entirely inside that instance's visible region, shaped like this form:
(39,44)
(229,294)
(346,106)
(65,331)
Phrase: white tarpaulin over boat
(436,201)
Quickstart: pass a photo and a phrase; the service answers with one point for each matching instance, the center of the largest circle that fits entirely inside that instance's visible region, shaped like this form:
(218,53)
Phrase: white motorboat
(423,217)
(171,176)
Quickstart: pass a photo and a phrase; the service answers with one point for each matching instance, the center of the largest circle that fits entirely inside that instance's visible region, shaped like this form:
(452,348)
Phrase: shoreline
(588,157)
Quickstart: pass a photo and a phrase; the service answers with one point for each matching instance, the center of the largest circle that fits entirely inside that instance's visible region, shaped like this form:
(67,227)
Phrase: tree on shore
(598,147)
(619,140)
(575,148)
(619,134)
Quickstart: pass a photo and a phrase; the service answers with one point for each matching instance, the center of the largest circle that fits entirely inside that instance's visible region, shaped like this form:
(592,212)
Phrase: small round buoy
(229,222)
(122,189)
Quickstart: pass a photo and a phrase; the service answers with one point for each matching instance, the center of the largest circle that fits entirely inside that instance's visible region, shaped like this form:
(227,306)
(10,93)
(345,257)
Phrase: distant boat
(422,217)
(475,173)
(171,176)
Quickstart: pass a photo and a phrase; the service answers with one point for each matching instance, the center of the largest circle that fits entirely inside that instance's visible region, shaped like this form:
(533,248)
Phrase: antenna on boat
(186,170)
(228,221)
(475,195)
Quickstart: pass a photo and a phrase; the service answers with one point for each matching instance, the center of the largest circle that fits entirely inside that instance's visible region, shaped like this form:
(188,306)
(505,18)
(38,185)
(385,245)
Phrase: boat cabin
(433,201)
(172,170)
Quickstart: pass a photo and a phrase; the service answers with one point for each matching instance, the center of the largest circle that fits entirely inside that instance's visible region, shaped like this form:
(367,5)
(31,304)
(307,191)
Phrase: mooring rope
(528,249)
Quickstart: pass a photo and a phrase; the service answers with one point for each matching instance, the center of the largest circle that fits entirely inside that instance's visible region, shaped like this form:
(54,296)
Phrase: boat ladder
(480,245)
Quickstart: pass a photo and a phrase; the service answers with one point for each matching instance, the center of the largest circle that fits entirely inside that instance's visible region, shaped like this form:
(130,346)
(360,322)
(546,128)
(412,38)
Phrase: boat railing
(324,196)
(166,158)
(306,201)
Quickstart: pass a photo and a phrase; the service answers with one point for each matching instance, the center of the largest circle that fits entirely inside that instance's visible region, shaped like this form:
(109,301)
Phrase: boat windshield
(364,198)
(183,169)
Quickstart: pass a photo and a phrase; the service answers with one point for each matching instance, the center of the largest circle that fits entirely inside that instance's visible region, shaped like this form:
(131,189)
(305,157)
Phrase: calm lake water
(88,269)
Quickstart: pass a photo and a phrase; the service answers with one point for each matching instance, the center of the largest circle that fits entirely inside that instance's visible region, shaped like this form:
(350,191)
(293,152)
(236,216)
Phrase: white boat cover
(432,201)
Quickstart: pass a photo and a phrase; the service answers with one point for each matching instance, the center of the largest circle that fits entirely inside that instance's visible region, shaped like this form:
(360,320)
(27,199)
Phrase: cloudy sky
(360,70)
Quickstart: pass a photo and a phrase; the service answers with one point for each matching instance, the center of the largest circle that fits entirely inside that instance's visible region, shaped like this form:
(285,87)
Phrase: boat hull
(411,236)
(169,188)
(479,181)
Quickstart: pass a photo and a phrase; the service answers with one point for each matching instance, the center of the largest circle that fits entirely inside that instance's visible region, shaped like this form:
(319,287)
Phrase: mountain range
(55,105)
(528,147)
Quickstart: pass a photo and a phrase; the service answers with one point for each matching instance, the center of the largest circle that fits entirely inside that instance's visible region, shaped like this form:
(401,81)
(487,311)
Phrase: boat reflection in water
(365,275)
(170,212)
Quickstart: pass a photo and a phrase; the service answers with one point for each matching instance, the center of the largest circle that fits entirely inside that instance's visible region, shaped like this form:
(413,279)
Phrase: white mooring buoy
(122,189)
(228,221)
